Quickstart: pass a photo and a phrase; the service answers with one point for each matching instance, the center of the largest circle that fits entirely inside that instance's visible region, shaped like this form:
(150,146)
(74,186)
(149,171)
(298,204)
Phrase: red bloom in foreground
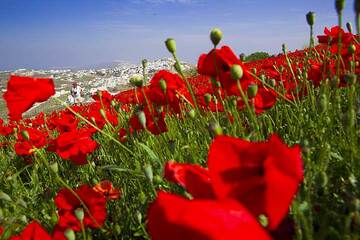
(24,147)
(173,217)
(74,145)
(194,178)
(33,231)
(107,189)
(23,92)
(264,176)
(67,203)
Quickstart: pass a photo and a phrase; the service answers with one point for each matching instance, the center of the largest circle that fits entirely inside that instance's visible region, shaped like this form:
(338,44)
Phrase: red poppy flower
(173,217)
(264,176)
(103,97)
(25,147)
(107,189)
(33,231)
(5,130)
(224,58)
(67,203)
(64,121)
(194,178)
(155,123)
(74,145)
(23,92)
(174,84)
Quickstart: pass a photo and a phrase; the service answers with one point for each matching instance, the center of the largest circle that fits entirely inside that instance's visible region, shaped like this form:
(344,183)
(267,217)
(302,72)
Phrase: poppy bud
(5,197)
(207,98)
(170,45)
(339,5)
(162,84)
(172,145)
(142,118)
(254,71)
(357,6)
(310,18)
(138,216)
(25,135)
(262,78)
(178,67)
(54,167)
(350,78)
(252,90)
(149,172)
(349,27)
(284,48)
(351,49)
(113,103)
(215,129)
(323,103)
(216,36)
(191,113)
(144,63)
(69,234)
(79,213)
(272,82)
(263,219)
(236,72)
(242,57)
(137,80)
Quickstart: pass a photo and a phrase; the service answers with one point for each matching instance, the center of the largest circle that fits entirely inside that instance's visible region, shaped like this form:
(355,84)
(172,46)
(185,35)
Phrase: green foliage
(257,56)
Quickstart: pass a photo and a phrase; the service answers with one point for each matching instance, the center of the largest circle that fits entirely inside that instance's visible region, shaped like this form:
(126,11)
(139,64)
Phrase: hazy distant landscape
(113,79)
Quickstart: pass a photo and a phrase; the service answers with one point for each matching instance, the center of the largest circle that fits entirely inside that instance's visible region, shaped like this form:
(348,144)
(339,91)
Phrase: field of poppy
(268,149)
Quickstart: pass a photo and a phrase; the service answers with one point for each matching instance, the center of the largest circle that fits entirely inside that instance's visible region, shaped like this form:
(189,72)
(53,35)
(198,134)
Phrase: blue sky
(85,33)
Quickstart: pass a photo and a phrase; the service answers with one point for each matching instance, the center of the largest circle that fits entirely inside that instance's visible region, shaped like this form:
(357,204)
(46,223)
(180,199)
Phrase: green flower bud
(215,36)
(191,113)
(138,216)
(137,80)
(69,234)
(54,167)
(171,45)
(25,135)
(5,197)
(310,18)
(349,27)
(339,5)
(79,213)
(242,57)
(215,129)
(263,219)
(163,85)
(254,71)
(149,172)
(236,72)
(144,63)
(323,103)
(357,6)
(272,82)
(142,118)
(178,67)
(351,49)
(350,78)
(207,98)
(252,90)
(284,48)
